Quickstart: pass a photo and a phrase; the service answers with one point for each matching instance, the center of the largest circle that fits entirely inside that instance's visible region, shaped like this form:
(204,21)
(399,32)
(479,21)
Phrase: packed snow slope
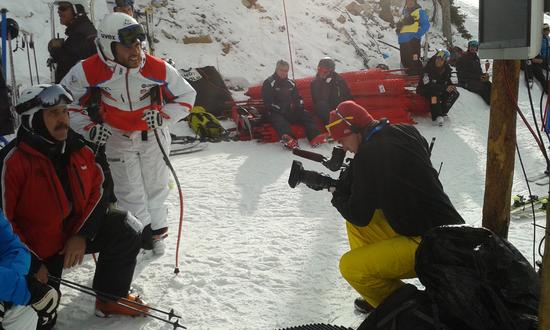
(256,254)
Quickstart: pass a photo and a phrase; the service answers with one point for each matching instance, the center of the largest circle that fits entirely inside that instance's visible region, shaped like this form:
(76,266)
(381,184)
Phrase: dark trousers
(118,245)
(281,122)
(322,110)
(408,50)
(483,88)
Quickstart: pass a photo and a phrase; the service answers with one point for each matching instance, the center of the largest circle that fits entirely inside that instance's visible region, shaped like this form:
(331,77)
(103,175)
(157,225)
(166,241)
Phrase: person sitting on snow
(436,85)
(22,296)
(470,74)
(285,106)
(140,97)
(390,196)
(328,89)
(80,32)
(538,66)
(53,196)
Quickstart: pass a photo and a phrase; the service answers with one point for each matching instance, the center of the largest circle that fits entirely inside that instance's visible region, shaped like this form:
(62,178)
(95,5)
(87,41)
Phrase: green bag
(204,124)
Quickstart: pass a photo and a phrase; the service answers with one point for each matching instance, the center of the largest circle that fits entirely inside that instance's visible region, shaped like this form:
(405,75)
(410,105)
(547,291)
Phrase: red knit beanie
(353,113)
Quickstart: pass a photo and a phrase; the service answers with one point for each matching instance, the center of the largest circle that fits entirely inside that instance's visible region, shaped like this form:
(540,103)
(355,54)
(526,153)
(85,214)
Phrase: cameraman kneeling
(390,196)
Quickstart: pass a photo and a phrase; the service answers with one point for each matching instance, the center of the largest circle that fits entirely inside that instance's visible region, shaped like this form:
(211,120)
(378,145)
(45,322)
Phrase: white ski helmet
(39,97)
(81,7)
(117,27)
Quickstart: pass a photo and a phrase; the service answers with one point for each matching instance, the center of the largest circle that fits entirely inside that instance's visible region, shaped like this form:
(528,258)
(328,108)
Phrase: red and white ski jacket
(125,93)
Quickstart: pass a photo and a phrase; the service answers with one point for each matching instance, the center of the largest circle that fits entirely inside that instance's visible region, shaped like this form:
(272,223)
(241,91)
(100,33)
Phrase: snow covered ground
(256,254)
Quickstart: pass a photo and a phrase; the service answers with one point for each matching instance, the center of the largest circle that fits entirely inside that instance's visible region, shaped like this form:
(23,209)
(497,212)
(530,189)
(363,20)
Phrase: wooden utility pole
(446,15)
(501,147)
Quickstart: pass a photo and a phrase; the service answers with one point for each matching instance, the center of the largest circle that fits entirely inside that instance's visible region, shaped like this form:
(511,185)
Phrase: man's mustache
(61,127)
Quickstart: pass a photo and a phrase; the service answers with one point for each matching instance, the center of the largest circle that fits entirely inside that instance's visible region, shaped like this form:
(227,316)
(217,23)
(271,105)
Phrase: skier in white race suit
(128,117)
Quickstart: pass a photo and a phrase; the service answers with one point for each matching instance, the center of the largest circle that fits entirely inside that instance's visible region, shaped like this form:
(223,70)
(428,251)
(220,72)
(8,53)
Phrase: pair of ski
(522,206)
(182,145)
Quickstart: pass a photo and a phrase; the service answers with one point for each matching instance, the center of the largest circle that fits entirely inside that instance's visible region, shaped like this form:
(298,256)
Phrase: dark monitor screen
(504,23)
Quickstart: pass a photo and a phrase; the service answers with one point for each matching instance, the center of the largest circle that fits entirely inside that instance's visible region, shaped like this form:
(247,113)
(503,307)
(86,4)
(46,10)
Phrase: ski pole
(77,286)
(387,44)
(4,29)
(156,99)
(26,45)
(93,293)
(31,44)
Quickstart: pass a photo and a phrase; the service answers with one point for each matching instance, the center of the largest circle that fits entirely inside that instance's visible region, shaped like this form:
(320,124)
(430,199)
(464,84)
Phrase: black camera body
(315,180)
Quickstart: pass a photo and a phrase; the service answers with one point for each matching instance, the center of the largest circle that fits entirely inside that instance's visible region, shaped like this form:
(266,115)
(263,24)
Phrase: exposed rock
(341,19)
(167,35)
(226,48)
(203,39)
(354,8)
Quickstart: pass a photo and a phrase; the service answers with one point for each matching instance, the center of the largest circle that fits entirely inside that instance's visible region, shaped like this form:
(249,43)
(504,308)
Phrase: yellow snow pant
(379,258)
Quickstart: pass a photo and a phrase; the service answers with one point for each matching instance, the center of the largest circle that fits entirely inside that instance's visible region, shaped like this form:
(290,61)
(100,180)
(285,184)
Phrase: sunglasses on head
(49,97)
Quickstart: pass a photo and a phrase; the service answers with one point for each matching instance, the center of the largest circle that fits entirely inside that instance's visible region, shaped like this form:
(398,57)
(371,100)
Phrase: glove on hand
(153,118)
(54,46)
(44,299)
(99,134)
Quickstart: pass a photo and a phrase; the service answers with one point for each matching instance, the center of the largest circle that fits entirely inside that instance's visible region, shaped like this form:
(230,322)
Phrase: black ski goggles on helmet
(49,97)
(129,35)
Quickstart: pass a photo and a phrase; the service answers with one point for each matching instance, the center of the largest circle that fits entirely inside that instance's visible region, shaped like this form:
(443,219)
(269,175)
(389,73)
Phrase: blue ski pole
(4,30)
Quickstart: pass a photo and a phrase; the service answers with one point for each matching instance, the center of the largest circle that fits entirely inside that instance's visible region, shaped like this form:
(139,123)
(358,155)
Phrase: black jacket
(332,91)
(392,171)
(281,95)
(79,45)
(468,67)
(6,118)
(434,82)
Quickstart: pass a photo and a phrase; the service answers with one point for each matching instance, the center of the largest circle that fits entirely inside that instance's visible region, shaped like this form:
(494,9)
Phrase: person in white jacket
(128,117)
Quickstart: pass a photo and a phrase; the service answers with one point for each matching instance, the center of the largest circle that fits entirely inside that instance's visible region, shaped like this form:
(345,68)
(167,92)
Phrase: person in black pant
(470,75)
(53,197)
(6,118)
(285,106)
(413,24)
(328,89)
(437,87)
(81,33)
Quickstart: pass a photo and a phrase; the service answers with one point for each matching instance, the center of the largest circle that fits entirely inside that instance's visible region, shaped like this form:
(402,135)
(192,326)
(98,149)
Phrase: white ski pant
(20,318)
(140,175)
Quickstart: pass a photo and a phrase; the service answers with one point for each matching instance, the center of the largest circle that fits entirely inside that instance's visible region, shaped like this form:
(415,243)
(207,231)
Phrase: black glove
(55,47)
(147,238)
(44,299)
(398,26)
(345,181)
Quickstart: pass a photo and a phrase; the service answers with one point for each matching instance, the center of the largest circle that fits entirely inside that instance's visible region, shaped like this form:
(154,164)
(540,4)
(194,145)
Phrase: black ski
(191,148)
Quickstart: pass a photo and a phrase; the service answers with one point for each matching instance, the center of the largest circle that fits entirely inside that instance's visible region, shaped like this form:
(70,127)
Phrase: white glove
(99,134)
(153,118)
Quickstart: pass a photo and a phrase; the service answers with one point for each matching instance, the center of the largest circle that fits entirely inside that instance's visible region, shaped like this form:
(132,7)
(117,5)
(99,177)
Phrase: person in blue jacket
(22,297)
(414,23)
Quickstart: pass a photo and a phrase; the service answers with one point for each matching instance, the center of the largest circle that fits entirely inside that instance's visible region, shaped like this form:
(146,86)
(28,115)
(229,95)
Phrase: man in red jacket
(53,196)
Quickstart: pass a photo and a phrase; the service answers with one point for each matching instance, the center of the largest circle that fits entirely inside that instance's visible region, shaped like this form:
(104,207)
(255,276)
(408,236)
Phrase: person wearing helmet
(80,32)
(470,74)
(140,96)
(413,24)
(285,106)
(436,85)
(52,195)
(22,296)
(328,89)
(121,6)
(390,196)
(538,66)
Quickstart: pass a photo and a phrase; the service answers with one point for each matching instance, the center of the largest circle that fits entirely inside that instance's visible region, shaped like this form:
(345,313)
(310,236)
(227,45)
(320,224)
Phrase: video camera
(315,180)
